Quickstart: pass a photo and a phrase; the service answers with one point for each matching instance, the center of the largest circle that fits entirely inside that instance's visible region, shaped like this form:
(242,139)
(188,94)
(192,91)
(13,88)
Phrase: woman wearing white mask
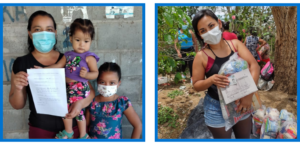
(188,44)
(105,113)
(42,52)
(207,63)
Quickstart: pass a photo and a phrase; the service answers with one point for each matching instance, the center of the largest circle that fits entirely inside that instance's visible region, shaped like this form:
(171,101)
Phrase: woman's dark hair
(240,37)
(225,25)
(37,13)
(85,25)
(109,66)
(197,18)
(253,31)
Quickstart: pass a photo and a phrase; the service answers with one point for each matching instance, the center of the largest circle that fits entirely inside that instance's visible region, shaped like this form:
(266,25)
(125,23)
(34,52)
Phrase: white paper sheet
(241,84)
(48,89)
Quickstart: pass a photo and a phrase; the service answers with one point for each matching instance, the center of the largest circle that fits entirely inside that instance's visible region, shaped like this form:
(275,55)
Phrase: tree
(286,49)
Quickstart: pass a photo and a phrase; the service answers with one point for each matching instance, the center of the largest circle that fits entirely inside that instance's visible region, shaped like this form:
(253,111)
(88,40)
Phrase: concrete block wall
(118,40)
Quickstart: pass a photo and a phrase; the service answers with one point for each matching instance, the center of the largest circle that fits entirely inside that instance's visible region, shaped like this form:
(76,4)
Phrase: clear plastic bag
(272,113)
(233,65)
(271,125)
(257,120)
(288,130)
(261,83)
(286,116)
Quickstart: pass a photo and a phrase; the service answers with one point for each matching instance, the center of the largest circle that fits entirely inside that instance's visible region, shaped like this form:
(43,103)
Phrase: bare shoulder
(201,54)
(236,43)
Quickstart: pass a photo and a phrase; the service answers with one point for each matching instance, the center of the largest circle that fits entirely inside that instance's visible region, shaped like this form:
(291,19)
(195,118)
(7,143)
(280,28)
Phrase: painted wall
(118,40)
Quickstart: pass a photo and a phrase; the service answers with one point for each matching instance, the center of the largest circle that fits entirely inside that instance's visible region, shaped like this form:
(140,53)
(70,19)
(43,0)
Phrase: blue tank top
(184,44)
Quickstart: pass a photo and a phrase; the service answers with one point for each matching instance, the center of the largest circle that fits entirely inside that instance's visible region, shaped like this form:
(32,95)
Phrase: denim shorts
(213,113)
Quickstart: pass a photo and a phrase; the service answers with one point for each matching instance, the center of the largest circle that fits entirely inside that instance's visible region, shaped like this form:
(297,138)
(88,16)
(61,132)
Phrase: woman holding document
(207,64)
(40,125)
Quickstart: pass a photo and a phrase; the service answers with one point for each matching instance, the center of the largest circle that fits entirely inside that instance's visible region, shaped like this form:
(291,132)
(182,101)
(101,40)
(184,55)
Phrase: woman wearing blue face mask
(207,64)
(42,52)
(188,44)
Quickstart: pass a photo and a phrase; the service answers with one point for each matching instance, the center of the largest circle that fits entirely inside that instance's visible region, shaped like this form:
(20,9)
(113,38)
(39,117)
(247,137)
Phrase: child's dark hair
(30,20)
(85,25)
(110,66)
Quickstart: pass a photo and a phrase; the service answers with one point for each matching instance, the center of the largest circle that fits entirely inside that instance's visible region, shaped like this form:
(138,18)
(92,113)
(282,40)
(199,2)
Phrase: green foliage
(167,65)
(177,77)
(167,115)
(170,18)
(258,18)
(175,93)
(191,54)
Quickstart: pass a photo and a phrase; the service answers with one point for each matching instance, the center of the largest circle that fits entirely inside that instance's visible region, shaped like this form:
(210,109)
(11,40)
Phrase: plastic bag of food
(257,121)
(269,129)
(286,116)
(233,65)
(271,125)
(288,130)
(272,113)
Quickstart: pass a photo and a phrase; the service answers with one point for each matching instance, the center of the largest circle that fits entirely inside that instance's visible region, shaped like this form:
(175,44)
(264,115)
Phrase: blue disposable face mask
(184,27)
(43,41)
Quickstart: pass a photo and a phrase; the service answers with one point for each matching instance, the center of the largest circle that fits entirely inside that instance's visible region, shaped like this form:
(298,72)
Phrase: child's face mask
(107,91)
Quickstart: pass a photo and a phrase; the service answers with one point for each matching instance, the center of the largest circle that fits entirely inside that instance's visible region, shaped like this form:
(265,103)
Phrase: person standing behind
(265,52)
(187,45)
(240,37)
(226,34)
(251,43)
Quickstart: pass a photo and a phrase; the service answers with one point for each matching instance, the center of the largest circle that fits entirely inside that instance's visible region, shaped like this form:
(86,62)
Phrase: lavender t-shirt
(74,63)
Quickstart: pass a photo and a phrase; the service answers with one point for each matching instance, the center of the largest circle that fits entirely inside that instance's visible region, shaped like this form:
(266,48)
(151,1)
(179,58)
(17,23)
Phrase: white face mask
(213,36)
(107,91)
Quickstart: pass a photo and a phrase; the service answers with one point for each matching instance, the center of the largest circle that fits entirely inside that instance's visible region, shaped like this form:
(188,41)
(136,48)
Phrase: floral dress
(106,118)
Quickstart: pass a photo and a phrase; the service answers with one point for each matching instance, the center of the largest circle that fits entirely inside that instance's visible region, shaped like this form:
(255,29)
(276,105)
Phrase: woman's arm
(199,81)
(60,64)
(254,68)
(194,41)
(262,41)
(175,46)
(92,64)
(245,54)
(17,93)
(135,121)
(75,109)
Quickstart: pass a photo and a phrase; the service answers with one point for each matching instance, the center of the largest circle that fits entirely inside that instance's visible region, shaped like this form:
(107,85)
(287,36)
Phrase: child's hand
(83,72)
(38,67)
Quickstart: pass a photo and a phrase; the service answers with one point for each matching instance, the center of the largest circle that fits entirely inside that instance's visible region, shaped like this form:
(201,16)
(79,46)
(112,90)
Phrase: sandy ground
(184,104)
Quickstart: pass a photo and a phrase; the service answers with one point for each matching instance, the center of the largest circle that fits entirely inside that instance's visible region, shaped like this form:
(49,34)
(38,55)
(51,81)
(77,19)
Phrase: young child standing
(80,66)
(104,115)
